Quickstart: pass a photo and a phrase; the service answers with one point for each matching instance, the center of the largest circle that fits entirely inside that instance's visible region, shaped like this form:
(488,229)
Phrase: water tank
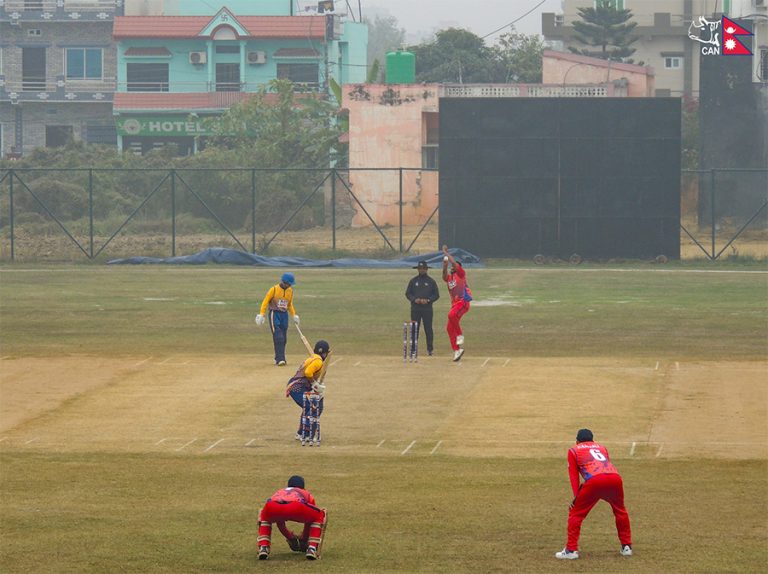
(401,67)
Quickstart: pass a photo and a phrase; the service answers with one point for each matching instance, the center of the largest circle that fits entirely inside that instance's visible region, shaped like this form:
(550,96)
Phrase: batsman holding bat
(601,482)
(307,390)
(296,504)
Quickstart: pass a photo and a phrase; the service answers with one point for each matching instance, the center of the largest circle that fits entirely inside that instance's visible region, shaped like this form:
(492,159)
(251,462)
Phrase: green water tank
(401,67)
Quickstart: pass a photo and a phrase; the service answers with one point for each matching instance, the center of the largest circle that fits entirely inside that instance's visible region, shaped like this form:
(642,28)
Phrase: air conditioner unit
(198,57)
(761,4)
(559,19)
(257,57)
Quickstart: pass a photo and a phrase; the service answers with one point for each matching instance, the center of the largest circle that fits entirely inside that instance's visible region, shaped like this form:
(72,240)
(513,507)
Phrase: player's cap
(322,347)
(422,265)
(584,435)
(288,278)
(296,481)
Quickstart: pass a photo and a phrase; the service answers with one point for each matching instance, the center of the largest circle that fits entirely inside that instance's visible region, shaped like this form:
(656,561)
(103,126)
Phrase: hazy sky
(420,17)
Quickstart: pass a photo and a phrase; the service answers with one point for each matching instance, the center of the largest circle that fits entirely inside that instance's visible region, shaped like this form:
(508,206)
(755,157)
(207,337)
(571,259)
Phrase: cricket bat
(309,348)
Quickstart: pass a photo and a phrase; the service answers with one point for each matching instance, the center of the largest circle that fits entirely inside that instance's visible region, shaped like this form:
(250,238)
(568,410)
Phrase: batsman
(307,390)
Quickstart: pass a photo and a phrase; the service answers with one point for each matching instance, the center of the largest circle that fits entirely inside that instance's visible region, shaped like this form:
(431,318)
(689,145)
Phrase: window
(58,136)
(227,77)
(306,74)
(83,63)
(147,77)
(673,63)
(430,128)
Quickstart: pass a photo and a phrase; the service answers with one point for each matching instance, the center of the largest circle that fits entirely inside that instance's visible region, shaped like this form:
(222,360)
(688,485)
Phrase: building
(559,67)
(173,69)
(57,73)
(662,31)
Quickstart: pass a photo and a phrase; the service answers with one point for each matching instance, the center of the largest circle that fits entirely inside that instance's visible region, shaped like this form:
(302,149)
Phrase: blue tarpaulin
(235,257)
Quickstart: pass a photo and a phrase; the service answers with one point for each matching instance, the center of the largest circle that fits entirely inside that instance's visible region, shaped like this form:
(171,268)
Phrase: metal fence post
(253,210)
(90,209)
(712,208)
(10,212)
(333,209)
(400,202)
(173,213)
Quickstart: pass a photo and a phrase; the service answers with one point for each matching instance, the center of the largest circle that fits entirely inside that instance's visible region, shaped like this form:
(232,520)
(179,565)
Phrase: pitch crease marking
(250,442)
(436,447)
(381,443)
(161,441)
(658,452)
(214,444)
(187,444)
(506,362)
(632,450)
(31,440)
(486,362)
(409,448)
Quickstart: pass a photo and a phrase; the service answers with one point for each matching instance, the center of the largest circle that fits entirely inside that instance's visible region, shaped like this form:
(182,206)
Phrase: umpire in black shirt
(422,292)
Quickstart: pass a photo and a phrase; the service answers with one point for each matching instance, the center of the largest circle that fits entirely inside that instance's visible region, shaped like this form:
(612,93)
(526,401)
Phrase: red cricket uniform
(601,481)
(458,290)
(294,504)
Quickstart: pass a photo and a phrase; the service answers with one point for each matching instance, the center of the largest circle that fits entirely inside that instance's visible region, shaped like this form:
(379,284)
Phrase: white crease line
(677,366)
(250,442)
(632,450)
(214,444)
(4,438)
(161,441)
(142,362)
(436,447)
(409,448)
(356,364)
(31,440)
(165,361)
(187,444)
(658,452)
(506,363)
(381,443)
(334,362)
(486,362)
(657,366)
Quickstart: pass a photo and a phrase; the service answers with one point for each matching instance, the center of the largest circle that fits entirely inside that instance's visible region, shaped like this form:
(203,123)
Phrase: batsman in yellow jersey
(307,390)
(278,302)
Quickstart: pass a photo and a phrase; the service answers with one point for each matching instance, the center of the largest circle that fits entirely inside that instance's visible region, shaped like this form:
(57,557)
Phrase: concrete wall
(562,68)
(386,130)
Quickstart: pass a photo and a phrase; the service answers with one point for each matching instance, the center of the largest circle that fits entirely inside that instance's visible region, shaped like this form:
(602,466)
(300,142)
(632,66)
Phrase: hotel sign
(172,126)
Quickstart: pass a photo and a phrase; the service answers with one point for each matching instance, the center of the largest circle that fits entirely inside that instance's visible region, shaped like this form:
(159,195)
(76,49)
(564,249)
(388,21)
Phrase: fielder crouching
(296,504)
(306,390)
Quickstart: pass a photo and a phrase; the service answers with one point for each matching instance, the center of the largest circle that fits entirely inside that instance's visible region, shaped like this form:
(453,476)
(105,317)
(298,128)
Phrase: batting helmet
(296,481)
(584,435)
(288,278)
(322,347)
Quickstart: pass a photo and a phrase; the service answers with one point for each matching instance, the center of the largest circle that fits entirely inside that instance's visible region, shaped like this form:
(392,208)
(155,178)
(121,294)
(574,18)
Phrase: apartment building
(57,73)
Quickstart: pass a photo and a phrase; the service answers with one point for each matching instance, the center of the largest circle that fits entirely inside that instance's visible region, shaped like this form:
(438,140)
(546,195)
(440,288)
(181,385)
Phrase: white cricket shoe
(281,363)
(457,355)
(459,340)
(626,550)
(566,554)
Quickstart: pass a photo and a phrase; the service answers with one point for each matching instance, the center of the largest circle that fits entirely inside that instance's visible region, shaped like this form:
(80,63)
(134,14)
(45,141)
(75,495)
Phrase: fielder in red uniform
(298,505)
(460,298)
(601,481)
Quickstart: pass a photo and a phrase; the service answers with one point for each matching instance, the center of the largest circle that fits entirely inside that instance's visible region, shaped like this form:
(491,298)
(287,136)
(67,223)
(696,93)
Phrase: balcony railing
(52,5)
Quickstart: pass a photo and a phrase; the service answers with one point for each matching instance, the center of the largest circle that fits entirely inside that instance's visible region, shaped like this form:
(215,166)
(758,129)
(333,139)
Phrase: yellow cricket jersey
(278,299)
(311,367)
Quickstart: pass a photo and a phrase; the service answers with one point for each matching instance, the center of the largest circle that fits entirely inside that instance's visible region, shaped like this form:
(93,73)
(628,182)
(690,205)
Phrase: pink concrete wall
(562,68)
(385,131)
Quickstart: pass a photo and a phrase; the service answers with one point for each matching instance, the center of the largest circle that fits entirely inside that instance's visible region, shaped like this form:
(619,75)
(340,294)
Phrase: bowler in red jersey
(602,481)
(460,298)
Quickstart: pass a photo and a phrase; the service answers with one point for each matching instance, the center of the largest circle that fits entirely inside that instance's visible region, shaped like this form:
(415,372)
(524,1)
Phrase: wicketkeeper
(308,381)
(279,302)
(601,482)
(295,504)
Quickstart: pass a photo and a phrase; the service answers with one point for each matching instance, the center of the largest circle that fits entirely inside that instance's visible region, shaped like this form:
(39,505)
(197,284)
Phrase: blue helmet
(288,278)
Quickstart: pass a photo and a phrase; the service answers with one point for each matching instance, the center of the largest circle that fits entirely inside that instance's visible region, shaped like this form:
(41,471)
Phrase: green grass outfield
(175,429)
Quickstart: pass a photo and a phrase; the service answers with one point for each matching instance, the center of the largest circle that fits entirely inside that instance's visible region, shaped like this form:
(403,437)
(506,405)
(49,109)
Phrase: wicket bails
(411,334)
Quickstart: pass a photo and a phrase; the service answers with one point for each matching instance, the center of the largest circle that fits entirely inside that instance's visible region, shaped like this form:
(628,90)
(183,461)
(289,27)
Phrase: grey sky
(421,17)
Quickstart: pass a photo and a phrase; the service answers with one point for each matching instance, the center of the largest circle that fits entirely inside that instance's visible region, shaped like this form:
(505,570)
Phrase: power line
(513,21)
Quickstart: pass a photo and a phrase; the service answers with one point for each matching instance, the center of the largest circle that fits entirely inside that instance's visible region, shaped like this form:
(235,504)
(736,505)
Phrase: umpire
(422,292)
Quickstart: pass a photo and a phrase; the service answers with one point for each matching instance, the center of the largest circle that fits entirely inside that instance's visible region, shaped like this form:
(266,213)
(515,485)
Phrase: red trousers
(312,517)
(608,487)
(458,309)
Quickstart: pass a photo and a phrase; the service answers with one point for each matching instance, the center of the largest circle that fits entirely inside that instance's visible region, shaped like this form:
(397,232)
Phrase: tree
(520,56)
(384,35)
(607,30)
(456,56)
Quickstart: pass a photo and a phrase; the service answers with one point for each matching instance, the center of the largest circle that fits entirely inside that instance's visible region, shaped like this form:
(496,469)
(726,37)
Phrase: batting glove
(259,319)
(296,319)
